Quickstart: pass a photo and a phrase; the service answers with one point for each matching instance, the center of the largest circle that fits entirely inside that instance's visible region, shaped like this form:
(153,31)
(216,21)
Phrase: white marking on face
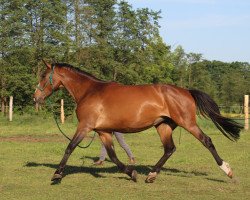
(38,85)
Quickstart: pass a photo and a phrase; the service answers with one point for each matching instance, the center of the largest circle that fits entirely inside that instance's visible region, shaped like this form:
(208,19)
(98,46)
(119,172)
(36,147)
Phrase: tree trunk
(2,105)
(114,74)
(189,76)
(77,34)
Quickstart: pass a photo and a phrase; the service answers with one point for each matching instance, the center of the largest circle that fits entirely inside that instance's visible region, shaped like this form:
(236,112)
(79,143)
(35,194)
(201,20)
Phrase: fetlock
(131,172)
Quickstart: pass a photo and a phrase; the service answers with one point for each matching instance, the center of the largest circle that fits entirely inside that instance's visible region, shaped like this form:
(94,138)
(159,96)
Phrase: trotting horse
(105,107)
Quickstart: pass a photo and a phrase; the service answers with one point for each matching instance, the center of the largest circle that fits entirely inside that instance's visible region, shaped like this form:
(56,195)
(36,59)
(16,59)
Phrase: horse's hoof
(151,177)
(134,175)
(56,177)
(230,174)
(227,169)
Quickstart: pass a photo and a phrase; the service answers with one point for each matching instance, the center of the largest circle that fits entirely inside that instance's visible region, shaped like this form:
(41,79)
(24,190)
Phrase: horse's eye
(42,76)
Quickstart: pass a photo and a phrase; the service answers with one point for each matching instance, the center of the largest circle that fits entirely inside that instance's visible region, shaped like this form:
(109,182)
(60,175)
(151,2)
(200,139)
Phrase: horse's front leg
(77,138)
(107,141)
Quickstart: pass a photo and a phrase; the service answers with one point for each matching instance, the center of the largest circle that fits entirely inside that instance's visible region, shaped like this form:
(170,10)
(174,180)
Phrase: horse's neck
(77,84)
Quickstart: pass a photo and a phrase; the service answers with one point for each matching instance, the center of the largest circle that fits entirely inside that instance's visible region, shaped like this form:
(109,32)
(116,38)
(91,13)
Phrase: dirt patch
(29,138)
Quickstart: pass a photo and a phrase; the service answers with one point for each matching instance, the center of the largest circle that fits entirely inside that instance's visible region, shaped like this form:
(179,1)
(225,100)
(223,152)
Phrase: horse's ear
(46,64)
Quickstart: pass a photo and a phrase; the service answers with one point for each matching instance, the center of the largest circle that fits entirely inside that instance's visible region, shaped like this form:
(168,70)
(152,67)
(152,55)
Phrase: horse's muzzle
(38,100)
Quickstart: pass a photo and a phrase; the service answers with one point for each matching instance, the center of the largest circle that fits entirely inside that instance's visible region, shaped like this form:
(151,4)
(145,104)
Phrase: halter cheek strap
(50,81)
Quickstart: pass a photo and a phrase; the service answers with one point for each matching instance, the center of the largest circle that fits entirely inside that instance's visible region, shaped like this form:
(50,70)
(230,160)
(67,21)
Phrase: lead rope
(54,115)
(82,147)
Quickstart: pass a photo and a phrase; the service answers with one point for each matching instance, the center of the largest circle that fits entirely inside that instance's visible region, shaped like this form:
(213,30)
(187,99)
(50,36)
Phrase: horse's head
(49,82)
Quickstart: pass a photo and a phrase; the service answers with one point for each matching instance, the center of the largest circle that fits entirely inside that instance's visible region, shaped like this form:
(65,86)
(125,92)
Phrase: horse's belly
(127,124)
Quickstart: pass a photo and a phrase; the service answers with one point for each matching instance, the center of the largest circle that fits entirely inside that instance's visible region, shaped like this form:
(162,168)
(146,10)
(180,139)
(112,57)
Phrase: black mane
(77,70)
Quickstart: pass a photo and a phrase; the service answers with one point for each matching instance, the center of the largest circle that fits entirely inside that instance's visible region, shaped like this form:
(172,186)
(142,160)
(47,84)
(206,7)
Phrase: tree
(180,64)
(192,58)
(201,79)
(30,30)
(123,44)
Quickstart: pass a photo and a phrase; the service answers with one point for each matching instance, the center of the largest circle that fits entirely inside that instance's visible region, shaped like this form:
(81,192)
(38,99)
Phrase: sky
(218,29)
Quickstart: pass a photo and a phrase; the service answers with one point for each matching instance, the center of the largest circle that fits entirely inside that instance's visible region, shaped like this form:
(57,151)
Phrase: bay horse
(105,107)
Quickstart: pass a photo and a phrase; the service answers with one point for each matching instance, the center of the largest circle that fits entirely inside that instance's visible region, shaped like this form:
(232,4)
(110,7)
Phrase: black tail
(208,108)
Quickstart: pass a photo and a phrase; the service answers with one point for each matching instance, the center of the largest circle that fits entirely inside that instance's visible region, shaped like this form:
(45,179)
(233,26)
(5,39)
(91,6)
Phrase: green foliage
(109,39)
(179,61)
(227,83)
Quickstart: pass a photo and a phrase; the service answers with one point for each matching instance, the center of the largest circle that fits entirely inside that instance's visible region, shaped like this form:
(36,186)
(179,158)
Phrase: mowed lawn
(31,148)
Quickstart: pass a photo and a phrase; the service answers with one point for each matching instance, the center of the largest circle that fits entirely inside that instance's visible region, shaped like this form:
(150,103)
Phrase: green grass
(31,148)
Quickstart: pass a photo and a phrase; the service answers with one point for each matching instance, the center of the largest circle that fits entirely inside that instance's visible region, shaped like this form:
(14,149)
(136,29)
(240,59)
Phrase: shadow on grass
(97,171)
(216,180)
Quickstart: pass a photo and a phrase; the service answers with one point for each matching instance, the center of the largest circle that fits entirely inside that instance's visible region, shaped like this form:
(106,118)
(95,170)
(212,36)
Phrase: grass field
(31,148)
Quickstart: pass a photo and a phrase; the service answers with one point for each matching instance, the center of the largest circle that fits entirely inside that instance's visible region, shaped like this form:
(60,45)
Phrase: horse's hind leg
(106,139)
(165,133)
(207,142)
